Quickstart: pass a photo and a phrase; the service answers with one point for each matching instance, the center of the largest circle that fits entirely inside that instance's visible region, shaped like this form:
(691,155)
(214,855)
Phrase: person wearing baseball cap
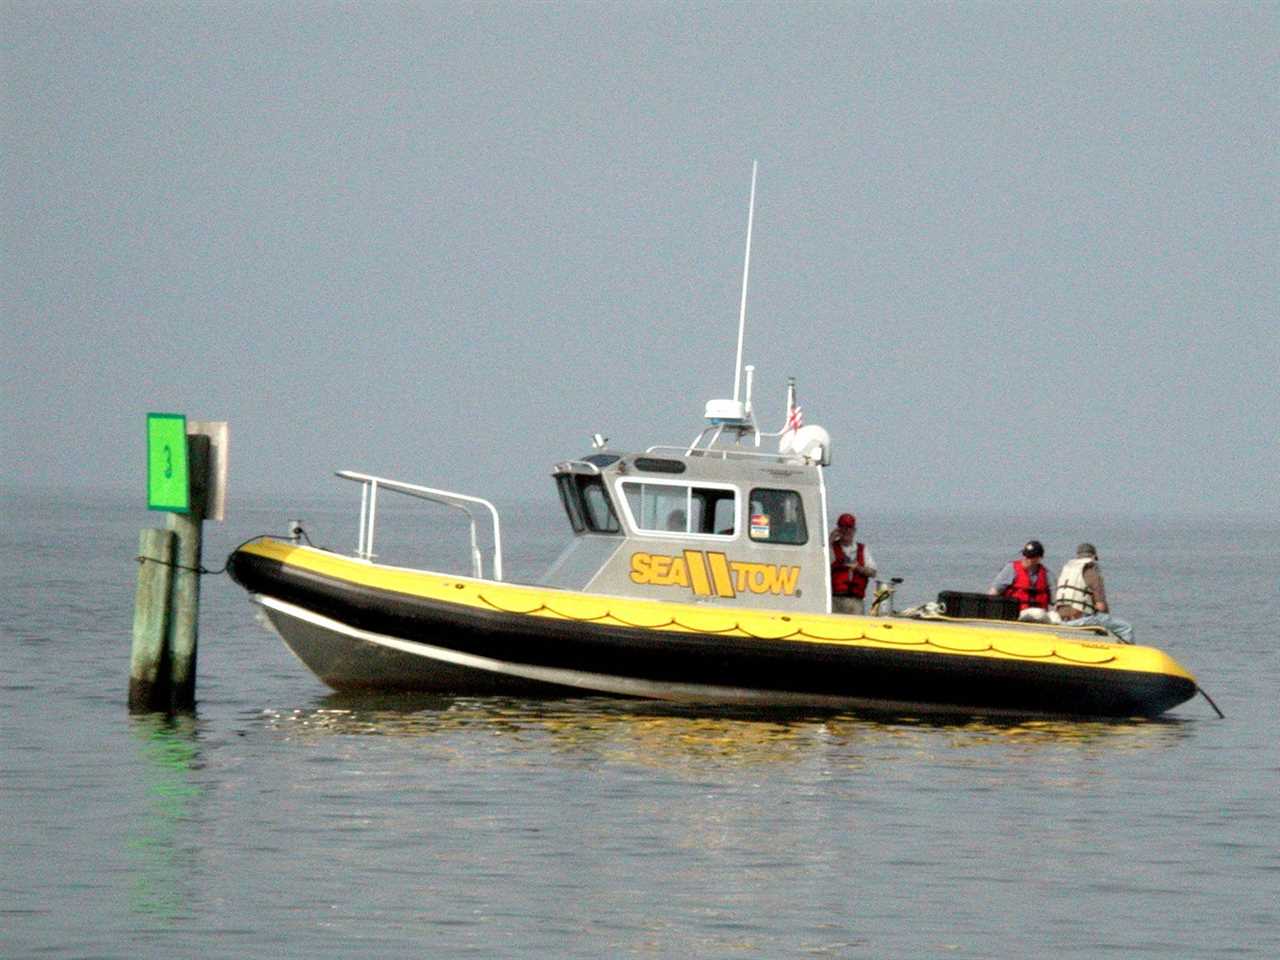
(1081,597)
(1025,578)
(851,567)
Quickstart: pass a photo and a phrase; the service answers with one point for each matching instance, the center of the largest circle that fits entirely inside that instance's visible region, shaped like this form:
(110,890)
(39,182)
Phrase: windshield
(587,504)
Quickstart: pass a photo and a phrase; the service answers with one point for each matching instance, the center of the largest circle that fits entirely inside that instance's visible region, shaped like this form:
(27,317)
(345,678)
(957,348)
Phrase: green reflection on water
(169,752)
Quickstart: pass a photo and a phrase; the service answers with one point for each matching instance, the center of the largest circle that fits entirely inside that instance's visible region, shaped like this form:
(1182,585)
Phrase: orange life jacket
(846,582)
(1027,592)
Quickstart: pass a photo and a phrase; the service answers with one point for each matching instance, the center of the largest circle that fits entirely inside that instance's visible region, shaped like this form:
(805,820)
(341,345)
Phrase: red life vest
(1027,592)
(846,582)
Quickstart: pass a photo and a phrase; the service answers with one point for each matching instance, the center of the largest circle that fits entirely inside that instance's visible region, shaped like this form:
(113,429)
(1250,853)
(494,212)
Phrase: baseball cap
(1087,550)
(847,520)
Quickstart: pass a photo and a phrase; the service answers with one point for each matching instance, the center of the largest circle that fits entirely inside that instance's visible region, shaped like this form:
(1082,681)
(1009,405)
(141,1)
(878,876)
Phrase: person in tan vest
(1081,596)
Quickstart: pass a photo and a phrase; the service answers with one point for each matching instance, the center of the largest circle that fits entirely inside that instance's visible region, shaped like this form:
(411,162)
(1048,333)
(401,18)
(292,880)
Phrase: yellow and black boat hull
(359,625)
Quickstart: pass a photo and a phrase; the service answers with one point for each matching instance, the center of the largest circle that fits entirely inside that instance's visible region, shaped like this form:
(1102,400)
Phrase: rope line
(202,569)
(169,563)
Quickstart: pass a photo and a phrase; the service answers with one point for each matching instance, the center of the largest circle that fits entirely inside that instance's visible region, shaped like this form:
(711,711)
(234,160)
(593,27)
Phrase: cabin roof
(715,465)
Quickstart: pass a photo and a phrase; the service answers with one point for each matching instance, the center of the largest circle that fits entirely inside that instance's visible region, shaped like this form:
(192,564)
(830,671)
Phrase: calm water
(284,821)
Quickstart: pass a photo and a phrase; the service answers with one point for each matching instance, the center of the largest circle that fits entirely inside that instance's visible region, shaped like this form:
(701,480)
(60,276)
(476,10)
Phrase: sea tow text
(709,573)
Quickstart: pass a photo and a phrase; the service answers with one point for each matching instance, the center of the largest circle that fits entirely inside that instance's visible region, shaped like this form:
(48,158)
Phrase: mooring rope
(302,535)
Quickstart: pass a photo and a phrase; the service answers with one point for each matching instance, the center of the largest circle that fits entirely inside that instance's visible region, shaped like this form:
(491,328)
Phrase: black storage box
(978,606)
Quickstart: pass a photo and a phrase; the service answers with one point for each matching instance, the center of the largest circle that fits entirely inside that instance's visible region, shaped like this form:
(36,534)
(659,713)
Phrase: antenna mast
(746,268)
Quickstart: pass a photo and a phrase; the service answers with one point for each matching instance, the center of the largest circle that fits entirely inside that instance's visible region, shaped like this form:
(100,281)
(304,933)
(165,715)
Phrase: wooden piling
(148,666)
(187,529)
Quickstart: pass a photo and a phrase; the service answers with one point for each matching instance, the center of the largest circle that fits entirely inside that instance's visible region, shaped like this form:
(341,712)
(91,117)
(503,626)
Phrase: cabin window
(659,465)
(586,503)
(597,511)
(569,499)
(777,516)
(681,508)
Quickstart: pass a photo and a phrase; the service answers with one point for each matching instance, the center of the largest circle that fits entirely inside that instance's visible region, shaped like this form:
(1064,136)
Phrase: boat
(733,608)
(695,573)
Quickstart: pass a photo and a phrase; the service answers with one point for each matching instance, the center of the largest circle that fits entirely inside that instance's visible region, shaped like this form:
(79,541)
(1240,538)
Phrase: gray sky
(1018,258)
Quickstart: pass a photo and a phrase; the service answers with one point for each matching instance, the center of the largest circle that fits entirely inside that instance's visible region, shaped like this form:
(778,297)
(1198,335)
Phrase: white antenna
(746,268)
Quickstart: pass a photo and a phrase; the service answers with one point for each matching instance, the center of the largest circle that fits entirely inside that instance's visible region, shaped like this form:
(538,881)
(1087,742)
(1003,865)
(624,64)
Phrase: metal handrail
(725,453)
(460,501)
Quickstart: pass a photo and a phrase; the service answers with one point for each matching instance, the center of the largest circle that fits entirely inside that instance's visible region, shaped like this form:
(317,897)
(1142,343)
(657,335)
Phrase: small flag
(795,419)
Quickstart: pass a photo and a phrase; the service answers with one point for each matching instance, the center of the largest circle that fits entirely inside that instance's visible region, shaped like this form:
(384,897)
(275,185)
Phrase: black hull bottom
(351,664)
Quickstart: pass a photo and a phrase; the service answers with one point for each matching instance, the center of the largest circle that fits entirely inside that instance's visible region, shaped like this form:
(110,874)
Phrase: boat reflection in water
(645,734)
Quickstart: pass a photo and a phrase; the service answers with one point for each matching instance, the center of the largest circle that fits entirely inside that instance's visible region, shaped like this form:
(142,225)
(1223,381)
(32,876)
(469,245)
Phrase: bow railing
(370,485)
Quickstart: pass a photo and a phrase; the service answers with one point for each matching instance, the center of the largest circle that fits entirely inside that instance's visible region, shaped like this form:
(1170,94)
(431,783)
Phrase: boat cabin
(718,522)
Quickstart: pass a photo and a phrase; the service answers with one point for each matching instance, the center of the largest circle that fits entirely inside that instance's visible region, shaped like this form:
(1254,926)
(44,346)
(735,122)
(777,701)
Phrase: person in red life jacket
(851,567)
(1025,579)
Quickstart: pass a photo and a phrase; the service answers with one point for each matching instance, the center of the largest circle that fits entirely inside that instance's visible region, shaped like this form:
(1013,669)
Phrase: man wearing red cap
(851,567)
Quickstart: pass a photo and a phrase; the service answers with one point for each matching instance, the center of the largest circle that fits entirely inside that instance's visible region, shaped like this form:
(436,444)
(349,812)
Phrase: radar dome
(726,411)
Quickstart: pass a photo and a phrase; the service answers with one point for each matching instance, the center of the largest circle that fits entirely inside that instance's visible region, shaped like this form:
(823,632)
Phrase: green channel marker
(167,482)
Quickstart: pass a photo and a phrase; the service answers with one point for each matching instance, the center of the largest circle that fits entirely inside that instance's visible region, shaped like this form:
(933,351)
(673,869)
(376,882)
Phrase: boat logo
(710,573)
